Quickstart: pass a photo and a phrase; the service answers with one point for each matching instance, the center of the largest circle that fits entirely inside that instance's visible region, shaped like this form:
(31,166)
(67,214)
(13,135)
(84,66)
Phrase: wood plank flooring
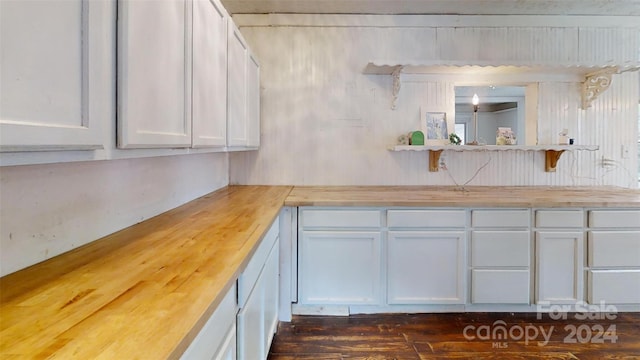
(457,336)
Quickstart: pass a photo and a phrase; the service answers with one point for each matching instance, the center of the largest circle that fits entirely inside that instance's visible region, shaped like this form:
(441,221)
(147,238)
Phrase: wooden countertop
(143,292)
(147,290)
(471,196)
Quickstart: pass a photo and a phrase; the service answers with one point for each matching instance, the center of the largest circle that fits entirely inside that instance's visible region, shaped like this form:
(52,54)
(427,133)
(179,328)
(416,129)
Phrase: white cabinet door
(559,266)
(228,349)
(55,74)
(253,102)
(614,286)
(209,102)
(609,249)
(250,326)
(500,248)
(154,79)
(258,318)
(214,337)
(271,291)
(499,286)
(339,267)
(500,261)
(426,267)
(237,87)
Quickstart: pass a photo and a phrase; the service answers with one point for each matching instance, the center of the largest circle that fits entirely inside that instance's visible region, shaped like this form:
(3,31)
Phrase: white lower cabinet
(500,260)
(614,286)
(401,258)
(426,267)
(339,267)
(614,256)
(500,286)
(228,350)
(258,317)
(614,265)
(216,340)
(559,266)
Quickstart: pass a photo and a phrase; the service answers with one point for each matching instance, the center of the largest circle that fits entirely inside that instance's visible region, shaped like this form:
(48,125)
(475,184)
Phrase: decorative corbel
(396,85)
(595,84)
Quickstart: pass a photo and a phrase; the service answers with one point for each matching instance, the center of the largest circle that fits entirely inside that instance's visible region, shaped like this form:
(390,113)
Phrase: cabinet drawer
(426,218)
(500,286)
(560,218)
(248,278)
(339,267)
(315,218)
(500,218)
(500,248)
(614,218)
(214,332)
(614,286)
(614,248)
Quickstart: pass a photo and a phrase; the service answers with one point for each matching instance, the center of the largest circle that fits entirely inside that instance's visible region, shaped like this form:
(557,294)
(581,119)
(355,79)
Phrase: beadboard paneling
(509,45)
(324,122)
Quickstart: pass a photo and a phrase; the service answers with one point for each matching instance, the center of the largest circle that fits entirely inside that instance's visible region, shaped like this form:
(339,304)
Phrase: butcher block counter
(147,290)
(143,292)
(470,196)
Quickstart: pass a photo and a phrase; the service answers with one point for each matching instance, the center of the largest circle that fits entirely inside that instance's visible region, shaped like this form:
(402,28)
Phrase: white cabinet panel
(237,87)
(426,218)
(249,276)
(253,101)
(228,351)
(209,102)
(339,267)
(318,218)
(500,248)
(153,74)
(560,218)
(257,319)
(614,218)
(54,72)
(500,218)
(614,248)
(250,326)
(271,291)
(215,333)
(614,286)
(559,266)
(426,267)
(499,286)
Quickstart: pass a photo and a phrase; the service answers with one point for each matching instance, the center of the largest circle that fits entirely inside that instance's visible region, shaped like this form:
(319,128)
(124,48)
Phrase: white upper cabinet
(243,116)
(154,74)
(53,69)
(209,112)
(237,88)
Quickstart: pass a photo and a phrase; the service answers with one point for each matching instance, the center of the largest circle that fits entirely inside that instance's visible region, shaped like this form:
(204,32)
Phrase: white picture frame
(434,127)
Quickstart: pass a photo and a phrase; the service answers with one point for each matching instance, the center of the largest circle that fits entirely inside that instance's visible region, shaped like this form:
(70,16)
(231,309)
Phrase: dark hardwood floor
(457,336)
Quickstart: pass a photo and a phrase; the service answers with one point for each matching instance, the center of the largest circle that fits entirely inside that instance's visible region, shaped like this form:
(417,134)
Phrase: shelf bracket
(396,85)
(551,158)
(434,160)
(595,84)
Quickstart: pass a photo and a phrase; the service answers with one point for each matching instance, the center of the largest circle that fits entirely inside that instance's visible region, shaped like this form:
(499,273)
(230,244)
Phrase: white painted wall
(325,122)
(49,209)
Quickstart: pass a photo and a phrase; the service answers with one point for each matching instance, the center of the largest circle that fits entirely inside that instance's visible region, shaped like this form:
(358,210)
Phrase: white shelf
(552,152)
(493,147)
(381,67)
(594,79)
